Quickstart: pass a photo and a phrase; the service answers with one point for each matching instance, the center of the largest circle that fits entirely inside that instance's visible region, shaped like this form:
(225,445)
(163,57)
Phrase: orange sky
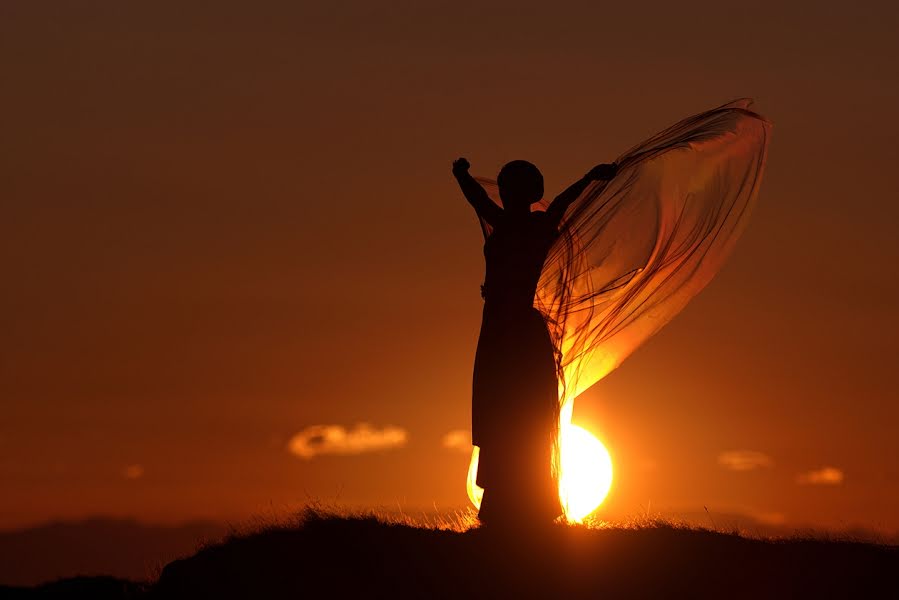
(221,226)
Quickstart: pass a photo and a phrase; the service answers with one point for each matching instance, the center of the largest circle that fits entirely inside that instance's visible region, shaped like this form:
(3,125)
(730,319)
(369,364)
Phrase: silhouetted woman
(515,391)
(572,291)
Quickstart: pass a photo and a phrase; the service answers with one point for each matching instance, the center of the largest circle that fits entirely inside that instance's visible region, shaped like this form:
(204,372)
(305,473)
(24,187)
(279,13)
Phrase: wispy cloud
(336,439)
(744,460)
(822,476)
(770,518)
(133,472)
(457,439)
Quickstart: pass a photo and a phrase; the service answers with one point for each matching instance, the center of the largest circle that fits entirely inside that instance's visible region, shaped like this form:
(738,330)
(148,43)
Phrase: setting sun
(585,479)
(586,473)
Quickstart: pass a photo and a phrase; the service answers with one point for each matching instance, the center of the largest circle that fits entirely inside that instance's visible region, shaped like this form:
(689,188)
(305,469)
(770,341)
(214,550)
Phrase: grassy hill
(339,556)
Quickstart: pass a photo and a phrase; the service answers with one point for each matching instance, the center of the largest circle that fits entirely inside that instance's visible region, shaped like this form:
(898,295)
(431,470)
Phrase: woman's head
(520,184)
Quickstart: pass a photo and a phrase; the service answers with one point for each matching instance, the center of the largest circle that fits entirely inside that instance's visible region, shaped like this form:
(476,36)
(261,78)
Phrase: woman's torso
(514,255)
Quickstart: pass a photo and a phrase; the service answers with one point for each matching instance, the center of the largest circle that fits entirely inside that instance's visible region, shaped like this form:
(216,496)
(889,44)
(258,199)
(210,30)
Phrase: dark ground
(123,548)
(364,557)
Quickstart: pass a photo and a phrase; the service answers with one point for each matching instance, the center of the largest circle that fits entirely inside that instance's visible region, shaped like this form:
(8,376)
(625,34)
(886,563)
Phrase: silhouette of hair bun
(520,182)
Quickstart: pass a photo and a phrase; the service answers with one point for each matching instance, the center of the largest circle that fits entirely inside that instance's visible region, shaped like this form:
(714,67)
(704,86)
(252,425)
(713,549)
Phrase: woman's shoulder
(538,216)
(542,220)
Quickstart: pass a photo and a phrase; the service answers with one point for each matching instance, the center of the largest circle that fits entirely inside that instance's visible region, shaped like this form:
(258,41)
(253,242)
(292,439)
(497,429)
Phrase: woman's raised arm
(475,194)
(561,202)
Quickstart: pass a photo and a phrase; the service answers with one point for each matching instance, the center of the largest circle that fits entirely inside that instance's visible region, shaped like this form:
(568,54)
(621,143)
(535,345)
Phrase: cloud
(133,472)
(457,439)
(335,439)
(770,518)
(744,460)
(822,476)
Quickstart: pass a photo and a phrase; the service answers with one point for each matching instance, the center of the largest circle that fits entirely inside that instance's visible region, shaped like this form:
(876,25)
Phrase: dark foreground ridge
(365,557)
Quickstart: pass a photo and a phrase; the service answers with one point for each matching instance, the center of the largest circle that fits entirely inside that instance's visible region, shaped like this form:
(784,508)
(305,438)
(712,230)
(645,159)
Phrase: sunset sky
(229,231)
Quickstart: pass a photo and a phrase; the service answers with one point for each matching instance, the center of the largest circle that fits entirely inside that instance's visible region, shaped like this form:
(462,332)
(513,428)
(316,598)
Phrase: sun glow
(586,473)
(585,479)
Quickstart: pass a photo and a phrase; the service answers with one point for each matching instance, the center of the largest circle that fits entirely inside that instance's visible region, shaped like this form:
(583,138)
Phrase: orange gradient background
(222,225)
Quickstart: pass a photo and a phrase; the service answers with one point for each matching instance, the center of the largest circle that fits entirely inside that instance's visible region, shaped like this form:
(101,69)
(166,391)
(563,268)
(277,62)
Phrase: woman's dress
(515,391)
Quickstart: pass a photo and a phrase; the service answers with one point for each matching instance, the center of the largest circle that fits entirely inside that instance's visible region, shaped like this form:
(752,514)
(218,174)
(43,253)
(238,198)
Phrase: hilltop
(364,556)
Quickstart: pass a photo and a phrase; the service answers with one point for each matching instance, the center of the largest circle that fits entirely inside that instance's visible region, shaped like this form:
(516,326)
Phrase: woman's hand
(603,172)
(460,166)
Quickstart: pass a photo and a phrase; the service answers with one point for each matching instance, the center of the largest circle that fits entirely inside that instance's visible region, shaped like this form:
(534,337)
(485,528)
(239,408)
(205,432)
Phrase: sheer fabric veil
(633,251)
